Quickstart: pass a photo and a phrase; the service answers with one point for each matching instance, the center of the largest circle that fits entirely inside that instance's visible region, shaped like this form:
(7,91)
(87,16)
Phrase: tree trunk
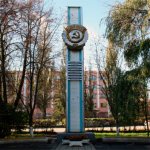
(146,115)
(31,124)
(117,130)
(31,131)
(18,97)
(44,113)
(3,70)
(147,125)
(0,89)
(117,127)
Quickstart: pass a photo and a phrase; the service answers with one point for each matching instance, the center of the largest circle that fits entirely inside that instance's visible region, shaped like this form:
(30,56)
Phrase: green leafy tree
(119,87)
(128,29)
(111,75)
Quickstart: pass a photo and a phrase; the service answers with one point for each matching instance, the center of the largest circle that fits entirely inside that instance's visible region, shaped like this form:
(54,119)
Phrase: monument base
(88,135)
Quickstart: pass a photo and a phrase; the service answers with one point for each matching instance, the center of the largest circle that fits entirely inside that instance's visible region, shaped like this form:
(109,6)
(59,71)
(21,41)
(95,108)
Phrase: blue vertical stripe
(68,15)
(81,107)
(81,82)
(68,106)
(68,90)
(79,15)
(81,98)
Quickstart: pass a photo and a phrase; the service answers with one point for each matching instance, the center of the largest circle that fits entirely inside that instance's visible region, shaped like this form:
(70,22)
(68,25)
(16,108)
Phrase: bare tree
(10,46)
(10,16)
(39,28)
(60,91)
(89,84)
(46,90)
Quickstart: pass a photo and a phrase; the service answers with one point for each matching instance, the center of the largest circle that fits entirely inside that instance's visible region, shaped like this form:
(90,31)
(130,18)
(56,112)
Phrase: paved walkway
(48,146)
(122,146)
(28,146)
(52,144)
(67,147)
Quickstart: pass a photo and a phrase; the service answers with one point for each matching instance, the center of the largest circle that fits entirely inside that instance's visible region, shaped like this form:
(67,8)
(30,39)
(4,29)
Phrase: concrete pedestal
(89,135)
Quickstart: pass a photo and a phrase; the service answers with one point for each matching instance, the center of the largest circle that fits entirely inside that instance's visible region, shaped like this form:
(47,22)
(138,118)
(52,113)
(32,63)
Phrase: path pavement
(28,146)
(55,146)
(101,144)
(122,146)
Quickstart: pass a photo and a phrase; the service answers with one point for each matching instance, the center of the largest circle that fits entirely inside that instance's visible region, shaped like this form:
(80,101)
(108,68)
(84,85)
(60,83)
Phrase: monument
(74,36)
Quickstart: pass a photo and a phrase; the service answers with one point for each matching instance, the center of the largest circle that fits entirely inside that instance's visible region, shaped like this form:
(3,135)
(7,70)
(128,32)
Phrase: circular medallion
(75,37)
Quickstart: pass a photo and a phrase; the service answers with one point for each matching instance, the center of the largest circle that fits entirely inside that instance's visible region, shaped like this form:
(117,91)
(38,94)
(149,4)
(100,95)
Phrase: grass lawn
(24,136)
(100,135)
(97,135)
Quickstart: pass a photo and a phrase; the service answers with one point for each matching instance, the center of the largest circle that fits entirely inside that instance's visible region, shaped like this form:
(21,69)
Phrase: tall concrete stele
(75,37)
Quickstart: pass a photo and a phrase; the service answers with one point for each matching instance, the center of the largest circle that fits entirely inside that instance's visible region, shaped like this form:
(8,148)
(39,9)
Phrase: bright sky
(93,12)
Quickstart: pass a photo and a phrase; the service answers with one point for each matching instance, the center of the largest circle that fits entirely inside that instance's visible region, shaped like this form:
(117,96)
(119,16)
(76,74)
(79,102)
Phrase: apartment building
(101,106)
(100,103)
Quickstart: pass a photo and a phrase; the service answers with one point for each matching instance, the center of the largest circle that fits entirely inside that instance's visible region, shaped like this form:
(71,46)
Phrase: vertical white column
(75,102)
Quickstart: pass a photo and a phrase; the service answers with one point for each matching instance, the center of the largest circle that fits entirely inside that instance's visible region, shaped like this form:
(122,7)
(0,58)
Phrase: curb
(46,140)
(126,140)
(104,140)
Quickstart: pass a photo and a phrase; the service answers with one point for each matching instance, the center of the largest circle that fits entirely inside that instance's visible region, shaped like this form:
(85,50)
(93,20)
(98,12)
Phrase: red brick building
(101,106)
(100,103)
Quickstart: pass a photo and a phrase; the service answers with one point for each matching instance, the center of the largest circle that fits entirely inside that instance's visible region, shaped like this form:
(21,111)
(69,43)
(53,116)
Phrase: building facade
(101,107)
(100,102)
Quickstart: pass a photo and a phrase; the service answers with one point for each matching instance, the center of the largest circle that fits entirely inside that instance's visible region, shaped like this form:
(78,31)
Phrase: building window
(148,94)
(94,96)
(100,87)
(95,105)
(102,95)
(95,87)
(57,77)
(103,105)
(93,77)
(101,78)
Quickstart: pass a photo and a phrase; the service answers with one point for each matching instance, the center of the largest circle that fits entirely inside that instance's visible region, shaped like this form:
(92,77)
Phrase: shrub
(10,119)
(109,122)
(19,120)
(5,120)
(99,122)
(44,123)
